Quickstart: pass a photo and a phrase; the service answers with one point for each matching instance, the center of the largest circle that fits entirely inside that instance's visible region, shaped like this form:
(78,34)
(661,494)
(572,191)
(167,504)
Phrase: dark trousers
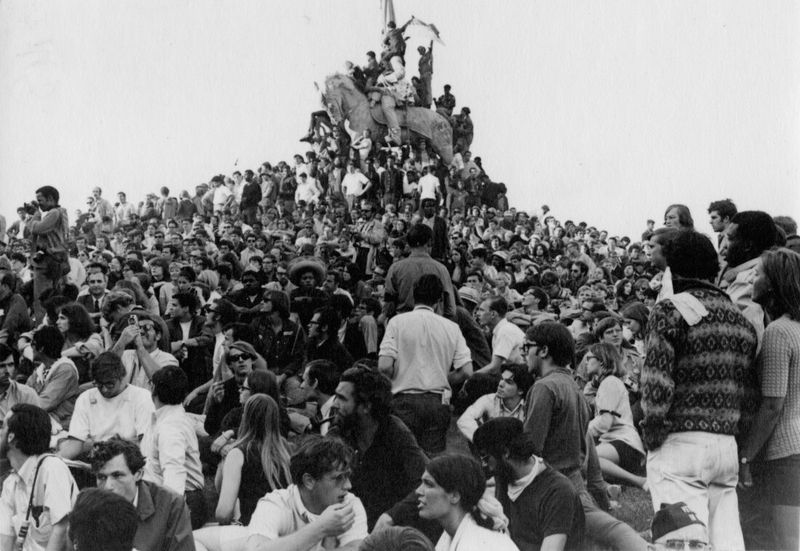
(198,510)
(426,417)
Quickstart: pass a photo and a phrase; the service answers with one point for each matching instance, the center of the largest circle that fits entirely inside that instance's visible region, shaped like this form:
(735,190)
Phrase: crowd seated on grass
(276,359)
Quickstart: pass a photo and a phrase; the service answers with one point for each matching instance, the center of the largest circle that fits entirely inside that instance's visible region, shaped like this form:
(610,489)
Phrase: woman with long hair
(452,485)
(81,341)
(258,462)
(457,266)
(619,447)
(257,465)
(162,282)
(609,330)
(775,433)
(257,382)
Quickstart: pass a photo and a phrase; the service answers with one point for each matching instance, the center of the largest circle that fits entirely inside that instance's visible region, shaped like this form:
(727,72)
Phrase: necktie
(96,305)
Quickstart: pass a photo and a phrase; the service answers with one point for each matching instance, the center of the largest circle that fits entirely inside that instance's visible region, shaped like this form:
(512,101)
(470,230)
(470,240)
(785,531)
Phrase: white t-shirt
(281,513)
(471,537)
(127,414)
(428,185)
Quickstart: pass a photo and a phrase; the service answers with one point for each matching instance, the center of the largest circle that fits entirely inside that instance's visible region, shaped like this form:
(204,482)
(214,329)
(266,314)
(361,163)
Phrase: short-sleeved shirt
(135,373)
(779,369)
(127,414)
(612,397)
(507,340)
(424,346)
(55,492)
(282,513)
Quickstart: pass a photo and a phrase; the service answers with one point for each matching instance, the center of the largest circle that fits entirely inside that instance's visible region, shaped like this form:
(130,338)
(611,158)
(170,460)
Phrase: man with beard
(543,508)
(40,491)
(390,461)
(323,339)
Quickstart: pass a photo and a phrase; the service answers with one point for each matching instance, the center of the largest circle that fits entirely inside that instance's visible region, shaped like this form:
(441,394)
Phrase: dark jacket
(197,363)
(164,523)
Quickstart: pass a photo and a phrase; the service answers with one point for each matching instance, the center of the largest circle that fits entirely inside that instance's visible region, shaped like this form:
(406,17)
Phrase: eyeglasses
(680,545)
(147,327)
(243,387)
(238,357)
(107,385)
(528,345)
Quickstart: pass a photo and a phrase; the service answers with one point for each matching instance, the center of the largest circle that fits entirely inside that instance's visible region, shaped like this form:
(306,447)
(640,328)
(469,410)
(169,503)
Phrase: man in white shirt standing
(428,186)
(125,210)
(112,408)
(317,511)
(170,443)
(354,184)
(423,354)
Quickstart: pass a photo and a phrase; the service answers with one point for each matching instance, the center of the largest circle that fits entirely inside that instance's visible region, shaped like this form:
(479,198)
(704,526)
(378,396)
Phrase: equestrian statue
(388,116)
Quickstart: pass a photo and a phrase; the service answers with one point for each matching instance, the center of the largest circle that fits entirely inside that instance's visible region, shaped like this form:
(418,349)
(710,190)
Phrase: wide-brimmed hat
(303,264)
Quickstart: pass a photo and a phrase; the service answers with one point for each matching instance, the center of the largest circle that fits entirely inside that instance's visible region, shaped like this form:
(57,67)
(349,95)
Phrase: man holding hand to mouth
(317,511)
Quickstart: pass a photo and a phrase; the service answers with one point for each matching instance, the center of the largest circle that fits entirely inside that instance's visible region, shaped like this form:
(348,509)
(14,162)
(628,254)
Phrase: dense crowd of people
(318,339)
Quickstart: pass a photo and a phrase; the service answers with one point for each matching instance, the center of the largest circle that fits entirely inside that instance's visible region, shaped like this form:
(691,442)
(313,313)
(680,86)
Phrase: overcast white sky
(608,111)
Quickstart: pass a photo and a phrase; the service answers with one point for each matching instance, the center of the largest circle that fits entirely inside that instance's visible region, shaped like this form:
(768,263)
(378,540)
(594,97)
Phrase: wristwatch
(744,461)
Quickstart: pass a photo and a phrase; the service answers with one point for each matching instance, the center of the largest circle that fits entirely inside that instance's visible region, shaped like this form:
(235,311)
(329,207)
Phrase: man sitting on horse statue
(394,91)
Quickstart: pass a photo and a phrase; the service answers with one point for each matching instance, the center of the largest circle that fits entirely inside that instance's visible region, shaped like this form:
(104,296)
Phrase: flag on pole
(429,29)
(387,11)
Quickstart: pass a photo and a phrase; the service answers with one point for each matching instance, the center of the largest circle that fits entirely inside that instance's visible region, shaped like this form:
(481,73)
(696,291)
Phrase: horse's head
(340,96)
(332,100)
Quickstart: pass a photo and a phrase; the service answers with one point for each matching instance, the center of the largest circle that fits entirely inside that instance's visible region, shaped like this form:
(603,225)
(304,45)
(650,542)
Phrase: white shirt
(507,340)
(306,191)
(427,187)
(55,491)
(281,513)
(471,537)
(424,346)
(135,373)
(354,183)
(171,449)
(127,414)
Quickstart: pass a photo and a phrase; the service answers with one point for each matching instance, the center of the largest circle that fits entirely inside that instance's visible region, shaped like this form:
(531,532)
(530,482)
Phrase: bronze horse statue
(344,101)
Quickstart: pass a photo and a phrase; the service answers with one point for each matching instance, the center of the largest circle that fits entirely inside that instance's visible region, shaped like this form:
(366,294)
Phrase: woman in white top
(451,488)
(619,446)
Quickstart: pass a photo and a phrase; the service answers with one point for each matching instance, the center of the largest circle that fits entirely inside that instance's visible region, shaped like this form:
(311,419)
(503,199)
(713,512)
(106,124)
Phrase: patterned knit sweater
(699,378)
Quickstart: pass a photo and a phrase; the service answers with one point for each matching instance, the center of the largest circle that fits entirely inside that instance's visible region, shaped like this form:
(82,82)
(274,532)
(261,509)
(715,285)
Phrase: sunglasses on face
(238,357)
